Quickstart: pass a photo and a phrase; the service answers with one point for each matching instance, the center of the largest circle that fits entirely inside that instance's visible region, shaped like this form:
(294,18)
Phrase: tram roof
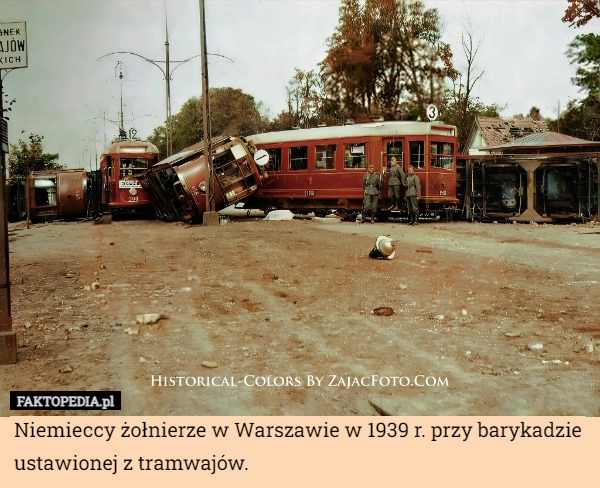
(131,146)
(390,129)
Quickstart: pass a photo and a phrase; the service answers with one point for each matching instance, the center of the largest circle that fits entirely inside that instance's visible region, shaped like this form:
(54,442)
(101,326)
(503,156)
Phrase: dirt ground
(489,319)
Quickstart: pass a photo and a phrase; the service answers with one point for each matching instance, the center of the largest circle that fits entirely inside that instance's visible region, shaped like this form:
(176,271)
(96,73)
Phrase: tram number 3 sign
(432,112)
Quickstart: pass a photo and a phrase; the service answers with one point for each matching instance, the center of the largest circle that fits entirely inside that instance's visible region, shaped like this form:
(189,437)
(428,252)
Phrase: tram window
(299,157)
(274,163)
(355,155)
(417,154)
(325,157)
(133,166)
(394,150)
(442,155)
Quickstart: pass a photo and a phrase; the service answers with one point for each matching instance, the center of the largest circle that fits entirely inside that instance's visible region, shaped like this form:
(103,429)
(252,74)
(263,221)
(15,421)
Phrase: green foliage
(582,117)
(584,51)
(232,112)
(26,157)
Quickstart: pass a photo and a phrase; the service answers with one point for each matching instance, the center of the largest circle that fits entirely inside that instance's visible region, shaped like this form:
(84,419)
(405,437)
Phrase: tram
(178,183)
(121,165)
(58,194)
(321,169)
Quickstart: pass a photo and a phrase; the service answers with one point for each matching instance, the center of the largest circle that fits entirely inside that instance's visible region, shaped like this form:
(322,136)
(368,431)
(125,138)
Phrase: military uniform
(397,178)
(372,186)
(413,191)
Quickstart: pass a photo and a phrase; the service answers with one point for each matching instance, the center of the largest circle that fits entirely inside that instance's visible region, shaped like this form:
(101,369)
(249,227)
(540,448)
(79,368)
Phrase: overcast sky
(72,98)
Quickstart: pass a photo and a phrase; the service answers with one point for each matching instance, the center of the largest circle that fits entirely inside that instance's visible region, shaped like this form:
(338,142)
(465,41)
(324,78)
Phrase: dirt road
(489,319)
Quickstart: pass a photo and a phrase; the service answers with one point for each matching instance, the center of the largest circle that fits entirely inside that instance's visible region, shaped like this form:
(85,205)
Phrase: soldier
(397,178)
(413,191)
(372,186)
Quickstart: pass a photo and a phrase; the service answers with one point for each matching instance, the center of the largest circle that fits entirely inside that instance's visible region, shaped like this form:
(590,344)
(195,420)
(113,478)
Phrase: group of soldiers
(410,182)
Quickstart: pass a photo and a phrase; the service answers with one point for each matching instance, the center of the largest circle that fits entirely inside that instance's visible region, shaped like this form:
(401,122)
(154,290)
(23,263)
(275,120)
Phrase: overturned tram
(178,184)
(58,194)
(547,177)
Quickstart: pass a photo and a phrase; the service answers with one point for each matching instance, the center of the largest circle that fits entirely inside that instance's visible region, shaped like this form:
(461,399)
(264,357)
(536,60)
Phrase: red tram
(121,165)
(321,169)
(178,183)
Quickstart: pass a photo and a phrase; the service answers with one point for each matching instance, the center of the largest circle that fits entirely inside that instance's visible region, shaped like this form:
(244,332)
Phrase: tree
(580,12)
(584,51)
(459,107)
(348,65)
(386,58)
(304,98)
(26,157)
(232,112)
(582,117)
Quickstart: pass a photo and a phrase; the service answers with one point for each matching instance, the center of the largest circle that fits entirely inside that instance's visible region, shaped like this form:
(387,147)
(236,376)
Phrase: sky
(70,92)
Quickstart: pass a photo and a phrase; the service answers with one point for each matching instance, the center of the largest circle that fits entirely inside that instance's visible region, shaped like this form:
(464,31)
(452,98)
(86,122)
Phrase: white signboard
(13,45)
(129,184)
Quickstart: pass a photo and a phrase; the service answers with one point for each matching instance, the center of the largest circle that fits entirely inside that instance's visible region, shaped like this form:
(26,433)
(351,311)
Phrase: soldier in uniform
(372,186)
(413,191)
(397,178)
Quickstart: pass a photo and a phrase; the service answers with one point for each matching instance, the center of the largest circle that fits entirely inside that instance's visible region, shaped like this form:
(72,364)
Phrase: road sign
(13,45)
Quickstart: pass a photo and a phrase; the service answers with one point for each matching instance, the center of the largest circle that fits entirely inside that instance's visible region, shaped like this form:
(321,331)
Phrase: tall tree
(26,157)
(386,58)
(232,112)
(349,65)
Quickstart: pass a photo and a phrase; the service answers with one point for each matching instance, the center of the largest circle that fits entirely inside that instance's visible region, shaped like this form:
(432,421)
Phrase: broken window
(274,163)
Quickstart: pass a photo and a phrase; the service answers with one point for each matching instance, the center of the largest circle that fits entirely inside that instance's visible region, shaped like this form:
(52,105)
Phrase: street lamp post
(167,73)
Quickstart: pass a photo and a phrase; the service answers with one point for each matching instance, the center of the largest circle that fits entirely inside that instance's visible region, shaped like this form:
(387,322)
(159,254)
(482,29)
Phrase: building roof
(496,130)
(544,140)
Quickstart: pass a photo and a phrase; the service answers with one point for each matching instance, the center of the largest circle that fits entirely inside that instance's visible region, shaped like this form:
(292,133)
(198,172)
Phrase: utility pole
(168,128)
(210,217)
(17,58)
(8,337)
